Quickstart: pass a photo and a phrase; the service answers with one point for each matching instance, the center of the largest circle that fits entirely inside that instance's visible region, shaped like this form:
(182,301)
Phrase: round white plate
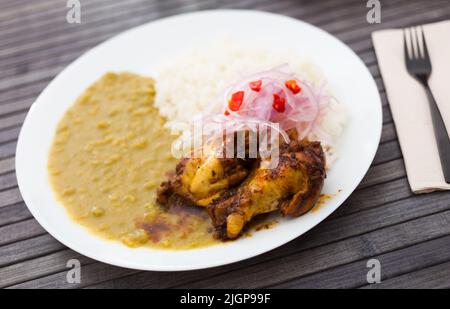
(139,50)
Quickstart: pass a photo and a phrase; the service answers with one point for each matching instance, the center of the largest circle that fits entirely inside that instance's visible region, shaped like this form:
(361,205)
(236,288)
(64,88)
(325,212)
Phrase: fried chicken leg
(293,187)
(201,180)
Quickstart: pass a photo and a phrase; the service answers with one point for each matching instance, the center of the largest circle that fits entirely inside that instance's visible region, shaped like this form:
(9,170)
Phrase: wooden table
(409,234)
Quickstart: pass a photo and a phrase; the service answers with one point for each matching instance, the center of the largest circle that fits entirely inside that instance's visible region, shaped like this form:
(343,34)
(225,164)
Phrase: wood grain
(395,263)
(6,165)
(429,278)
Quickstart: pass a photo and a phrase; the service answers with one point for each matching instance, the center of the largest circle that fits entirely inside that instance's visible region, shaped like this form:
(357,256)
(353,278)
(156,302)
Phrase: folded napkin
(409,104)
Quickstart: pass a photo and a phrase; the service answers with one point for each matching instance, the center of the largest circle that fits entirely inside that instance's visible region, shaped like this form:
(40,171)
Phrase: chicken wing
(201,180)
(293,187)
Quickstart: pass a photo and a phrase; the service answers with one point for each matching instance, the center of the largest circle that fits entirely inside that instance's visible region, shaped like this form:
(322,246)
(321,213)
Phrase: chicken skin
(201,180)
(236,190)
(293,187)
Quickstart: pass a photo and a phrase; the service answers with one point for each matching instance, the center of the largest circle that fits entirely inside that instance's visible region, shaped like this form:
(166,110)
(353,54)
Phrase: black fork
(419,66)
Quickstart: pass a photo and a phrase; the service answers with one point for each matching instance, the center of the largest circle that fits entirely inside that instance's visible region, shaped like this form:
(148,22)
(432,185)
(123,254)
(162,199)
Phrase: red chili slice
(256,85)
(226,113)
(236,100)
(293,86)
(279,103)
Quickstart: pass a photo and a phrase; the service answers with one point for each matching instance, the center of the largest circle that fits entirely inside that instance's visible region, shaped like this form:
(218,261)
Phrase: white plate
(139,50)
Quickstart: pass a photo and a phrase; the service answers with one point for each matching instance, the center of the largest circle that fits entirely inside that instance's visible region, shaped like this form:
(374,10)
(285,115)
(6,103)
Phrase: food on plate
(235,193)
(113,166)
(109,154)
(188,82)
(293,188)
(201,180)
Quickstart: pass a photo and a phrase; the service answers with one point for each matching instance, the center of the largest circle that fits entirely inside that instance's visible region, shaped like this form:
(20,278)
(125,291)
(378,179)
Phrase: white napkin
(409,103)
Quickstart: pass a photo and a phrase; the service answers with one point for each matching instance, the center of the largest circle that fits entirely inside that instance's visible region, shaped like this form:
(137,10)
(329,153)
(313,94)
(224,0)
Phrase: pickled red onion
(301,112)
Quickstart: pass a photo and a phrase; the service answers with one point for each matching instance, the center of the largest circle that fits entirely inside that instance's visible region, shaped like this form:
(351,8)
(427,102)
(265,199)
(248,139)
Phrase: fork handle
(440,132)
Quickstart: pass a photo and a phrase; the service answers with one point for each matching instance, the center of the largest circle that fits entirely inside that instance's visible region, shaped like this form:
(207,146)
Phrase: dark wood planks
(395,263)
(9,197)
(6,165)
(381,219)
(428,278)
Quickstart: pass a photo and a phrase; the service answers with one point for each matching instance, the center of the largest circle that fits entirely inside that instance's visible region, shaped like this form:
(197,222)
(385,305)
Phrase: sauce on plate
(109,154)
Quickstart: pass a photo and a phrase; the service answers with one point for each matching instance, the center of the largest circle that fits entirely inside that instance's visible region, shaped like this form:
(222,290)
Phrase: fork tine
(405,44)
(419,44)
(414,43)
(424,45)
(410,44)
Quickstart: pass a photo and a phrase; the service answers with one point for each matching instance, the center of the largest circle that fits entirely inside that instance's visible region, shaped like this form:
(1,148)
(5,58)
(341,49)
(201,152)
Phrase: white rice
(186,83)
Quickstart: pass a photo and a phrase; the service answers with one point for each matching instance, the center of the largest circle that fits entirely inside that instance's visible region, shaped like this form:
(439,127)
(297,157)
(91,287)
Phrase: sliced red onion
(302,110)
